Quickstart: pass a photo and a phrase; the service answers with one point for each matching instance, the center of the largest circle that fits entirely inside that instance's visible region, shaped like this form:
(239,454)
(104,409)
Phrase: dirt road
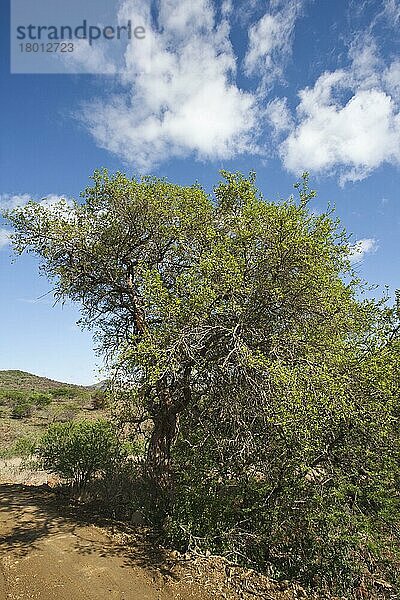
(47,553)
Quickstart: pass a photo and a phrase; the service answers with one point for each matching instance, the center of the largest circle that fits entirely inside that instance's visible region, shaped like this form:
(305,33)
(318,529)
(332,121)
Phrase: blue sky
(277,87)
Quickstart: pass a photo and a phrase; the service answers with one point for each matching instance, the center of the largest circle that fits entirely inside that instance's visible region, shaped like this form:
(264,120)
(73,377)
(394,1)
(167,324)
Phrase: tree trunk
(171,402)
(160,445)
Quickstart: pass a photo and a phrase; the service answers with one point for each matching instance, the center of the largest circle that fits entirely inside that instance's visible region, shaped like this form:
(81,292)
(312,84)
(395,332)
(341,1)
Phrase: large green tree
(195,296)
(237,328)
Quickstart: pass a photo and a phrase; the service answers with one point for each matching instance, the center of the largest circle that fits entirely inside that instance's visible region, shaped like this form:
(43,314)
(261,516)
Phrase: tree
(238,328)
(194,297)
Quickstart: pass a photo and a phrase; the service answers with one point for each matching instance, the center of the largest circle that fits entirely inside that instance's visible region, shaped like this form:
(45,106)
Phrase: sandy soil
(47,553)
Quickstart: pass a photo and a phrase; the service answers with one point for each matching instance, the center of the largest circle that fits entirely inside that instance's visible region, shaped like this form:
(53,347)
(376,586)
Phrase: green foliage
(22,410)
(80,450)
(40,399)
(64,392)
(242,320)
(319,515)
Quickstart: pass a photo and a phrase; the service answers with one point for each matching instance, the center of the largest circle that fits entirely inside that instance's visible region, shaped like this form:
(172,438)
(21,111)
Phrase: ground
(52,551)
(48,554)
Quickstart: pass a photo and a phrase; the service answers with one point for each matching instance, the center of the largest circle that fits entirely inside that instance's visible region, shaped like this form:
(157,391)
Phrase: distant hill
(100,385)
(29,403)
(20,380)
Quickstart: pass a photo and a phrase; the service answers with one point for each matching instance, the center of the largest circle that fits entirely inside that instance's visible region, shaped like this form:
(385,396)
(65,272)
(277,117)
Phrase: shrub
(99,399)
(13,396)
(64,392)
(22,410)
(80,450)
(316,500)
(41,400)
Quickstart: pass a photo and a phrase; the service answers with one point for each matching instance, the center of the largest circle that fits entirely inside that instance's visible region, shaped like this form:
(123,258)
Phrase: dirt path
(47,553)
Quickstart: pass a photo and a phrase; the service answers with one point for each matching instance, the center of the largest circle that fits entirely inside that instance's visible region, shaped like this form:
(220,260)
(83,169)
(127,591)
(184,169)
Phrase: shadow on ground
(29,515)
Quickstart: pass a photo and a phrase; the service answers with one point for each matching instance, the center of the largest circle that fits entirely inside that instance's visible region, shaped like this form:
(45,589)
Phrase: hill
(20,380)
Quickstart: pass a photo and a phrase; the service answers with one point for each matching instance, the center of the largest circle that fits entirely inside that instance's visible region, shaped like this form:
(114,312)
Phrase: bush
(39,399)
(64,392)
(13,396)
(316,500)
(80,450)
(22,410)
(99,399)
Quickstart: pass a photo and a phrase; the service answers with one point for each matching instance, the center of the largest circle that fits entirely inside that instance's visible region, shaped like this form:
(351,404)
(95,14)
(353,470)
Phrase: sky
(277,86)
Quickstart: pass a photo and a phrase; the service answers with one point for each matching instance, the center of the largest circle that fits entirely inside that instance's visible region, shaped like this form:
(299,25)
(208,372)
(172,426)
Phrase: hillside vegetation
(20,380)
(29,403)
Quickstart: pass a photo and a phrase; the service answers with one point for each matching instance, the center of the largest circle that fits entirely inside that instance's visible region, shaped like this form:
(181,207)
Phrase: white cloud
(4,237)
(183,99)
(10,201)
(357,137)
(349,135)
(392,11)
(270,41)
(279,116)
(361,248)
(178,95)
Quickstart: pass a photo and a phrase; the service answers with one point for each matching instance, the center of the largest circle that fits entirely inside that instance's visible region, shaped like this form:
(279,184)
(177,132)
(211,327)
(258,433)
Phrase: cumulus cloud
(361,248)
(352,135)
(182,98)
(357,137)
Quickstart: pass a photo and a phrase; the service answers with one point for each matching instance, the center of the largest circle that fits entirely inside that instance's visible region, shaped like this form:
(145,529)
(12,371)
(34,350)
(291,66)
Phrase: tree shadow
(27,516)
(30,515)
